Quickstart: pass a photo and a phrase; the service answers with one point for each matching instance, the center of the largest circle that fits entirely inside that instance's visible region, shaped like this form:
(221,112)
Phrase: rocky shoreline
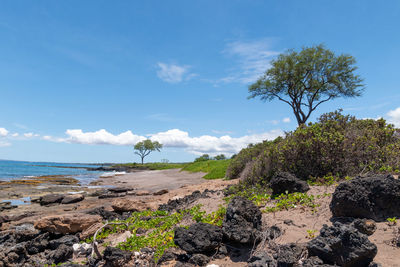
(349,227)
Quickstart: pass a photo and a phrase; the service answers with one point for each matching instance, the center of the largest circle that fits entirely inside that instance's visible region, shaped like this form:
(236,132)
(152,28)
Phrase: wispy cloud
(172,73)
(286,120)
(251,60)
(173,138)
(4,144)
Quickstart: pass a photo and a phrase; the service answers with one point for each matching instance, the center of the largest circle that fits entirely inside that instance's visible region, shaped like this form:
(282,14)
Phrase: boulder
(262,259)
(124,204)
(67,240)
(199,260)
(198,238)
(61,254)
(315,262)
(120,189)
(116,257)
(160,192)
(72,199)
(50,199)
(374,197)
(172,254)
(105,214)
(183,202)
(67,224)
(284,182)
(342,245)
(290,254)
(142,193)
(38,244)
(242,223)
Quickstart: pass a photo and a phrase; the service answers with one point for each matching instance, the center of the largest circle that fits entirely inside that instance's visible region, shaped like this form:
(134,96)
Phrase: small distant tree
(203,157)
(144,148)
(220,157)
(306,79)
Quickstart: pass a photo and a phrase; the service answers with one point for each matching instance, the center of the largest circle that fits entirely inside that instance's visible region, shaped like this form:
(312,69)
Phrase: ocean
(10,170)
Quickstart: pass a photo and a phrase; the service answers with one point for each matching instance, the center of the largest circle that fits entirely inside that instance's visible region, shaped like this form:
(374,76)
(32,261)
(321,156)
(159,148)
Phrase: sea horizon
(15,169)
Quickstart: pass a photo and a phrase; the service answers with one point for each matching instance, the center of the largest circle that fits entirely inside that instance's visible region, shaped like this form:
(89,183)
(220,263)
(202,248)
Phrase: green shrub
(336,145)
(203,157)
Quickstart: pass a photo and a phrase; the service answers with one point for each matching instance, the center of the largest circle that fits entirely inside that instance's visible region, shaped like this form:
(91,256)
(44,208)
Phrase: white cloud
(252,60)
(286,120)
(173,73)
(101,137)
(30,135)
(4,144)
(15,135)
(3,132)
(394,117)
(173,138)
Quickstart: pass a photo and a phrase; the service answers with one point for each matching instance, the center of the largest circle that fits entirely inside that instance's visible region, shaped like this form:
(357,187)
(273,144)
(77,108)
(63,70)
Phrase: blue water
(10,170)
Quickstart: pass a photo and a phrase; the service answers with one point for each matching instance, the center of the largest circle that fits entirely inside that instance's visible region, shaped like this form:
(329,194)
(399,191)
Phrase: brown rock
(72,199)
(122,204)
(161,192)
(90,231)
(142,193)
(67,224)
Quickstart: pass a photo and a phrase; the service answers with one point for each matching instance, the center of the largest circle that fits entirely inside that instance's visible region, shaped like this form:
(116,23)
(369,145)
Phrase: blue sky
(80,81)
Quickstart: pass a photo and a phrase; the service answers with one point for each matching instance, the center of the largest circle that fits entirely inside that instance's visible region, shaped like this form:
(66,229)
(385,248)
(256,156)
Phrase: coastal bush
(203,157)
(335,146)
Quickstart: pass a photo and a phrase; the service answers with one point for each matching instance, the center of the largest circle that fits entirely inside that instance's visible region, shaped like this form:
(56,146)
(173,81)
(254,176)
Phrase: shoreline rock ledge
(67,223)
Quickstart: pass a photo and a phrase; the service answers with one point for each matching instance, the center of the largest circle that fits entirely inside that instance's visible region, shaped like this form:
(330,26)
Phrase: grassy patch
(214,168)
(159,227)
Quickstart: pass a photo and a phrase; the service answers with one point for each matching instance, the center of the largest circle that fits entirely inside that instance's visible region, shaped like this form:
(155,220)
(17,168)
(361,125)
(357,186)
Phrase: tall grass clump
(336,144)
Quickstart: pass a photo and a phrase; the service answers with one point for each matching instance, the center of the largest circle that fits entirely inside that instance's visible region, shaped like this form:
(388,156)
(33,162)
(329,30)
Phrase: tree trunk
(142,160)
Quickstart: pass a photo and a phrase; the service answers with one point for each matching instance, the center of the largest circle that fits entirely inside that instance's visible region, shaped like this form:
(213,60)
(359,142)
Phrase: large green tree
(144,148)
(306,79)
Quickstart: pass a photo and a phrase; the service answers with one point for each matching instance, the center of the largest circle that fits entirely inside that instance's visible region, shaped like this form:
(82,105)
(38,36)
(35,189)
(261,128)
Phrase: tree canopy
(144,148)
(306,79)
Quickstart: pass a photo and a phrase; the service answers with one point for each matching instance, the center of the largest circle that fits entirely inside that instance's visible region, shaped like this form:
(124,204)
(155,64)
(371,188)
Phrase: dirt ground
(179,184)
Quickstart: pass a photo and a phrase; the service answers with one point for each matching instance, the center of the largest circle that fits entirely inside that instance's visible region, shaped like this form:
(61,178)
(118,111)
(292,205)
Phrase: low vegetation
(334,147)
(155,229)
(214,168)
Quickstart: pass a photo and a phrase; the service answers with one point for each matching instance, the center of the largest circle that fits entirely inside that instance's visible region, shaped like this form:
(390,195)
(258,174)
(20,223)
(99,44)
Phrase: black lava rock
(199,260)
(289,254)
(199,238)
(375,197)
(116,257)
(61,254)
(285,182)
(242,222)
(342,245)
(67,240)
(262,259)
